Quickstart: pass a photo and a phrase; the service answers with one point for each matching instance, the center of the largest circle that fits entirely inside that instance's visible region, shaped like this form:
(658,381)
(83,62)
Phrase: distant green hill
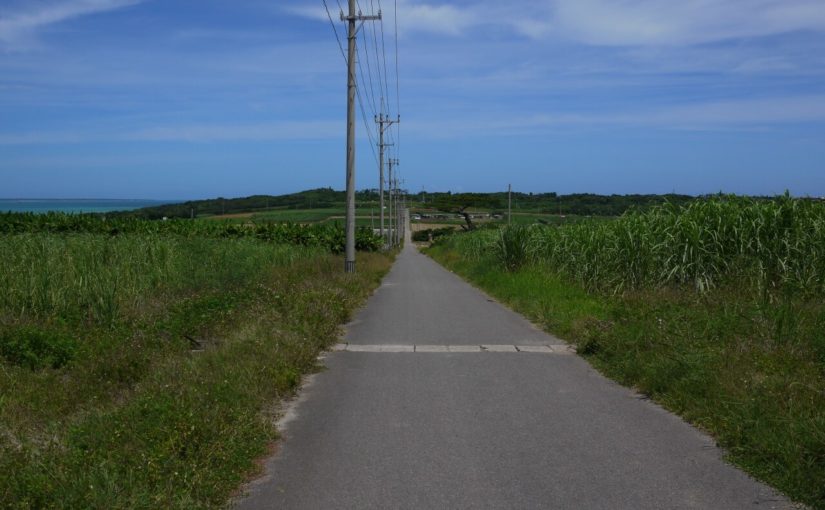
(311,199)
(583,204)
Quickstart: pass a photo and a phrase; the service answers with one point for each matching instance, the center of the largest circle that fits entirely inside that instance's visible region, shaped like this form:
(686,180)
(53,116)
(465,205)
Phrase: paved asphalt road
(442,430)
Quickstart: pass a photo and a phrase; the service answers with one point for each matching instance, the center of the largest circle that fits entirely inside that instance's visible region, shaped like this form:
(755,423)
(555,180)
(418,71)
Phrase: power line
(377,60)
(361,70)
(341,46)
(369,71)
(364,116)
(358,89)
(360,99)
(384,55)
(362,31)
(397,81)
(391,133)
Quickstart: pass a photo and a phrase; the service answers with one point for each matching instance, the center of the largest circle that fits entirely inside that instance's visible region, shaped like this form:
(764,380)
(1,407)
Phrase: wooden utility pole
(399,213)
(391,237)
(398,225)
(402,209)
(353,18)
(383,124)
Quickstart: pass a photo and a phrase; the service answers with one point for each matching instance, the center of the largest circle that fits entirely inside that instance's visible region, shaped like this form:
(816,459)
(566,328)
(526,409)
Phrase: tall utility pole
(397,213)
(397,210)
(353,18)
(394,184)
(509,204)
(391,237)
(383,124)
(402,225)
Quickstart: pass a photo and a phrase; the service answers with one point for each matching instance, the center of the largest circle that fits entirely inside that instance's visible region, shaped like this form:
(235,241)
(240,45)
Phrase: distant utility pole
(383,124)
(402,225)
(352,19)
(398,212)
(509,204)
(391,237)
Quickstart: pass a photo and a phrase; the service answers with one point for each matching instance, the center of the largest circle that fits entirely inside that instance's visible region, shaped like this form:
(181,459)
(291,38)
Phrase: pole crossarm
(359,17)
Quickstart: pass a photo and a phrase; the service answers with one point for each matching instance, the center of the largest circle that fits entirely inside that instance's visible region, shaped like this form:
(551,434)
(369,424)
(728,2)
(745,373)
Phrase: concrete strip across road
(534,349)
(414,414)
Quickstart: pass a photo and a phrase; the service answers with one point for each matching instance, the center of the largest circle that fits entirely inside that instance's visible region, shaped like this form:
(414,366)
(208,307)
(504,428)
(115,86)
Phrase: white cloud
(18,26)
(441,18)
(736,115)
(751,112)
(195,133)
(687,22)
(311,12)
(287,130)
(607,22)
(767,64)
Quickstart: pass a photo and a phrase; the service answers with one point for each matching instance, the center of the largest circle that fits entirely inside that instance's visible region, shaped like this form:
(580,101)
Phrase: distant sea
(37,205)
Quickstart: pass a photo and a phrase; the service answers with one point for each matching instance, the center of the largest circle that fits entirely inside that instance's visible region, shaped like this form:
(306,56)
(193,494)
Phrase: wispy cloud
(653,22)
(738,115)
(192,133)
(412,16)
(444,19)
(733,115)
(19,25)
(764,111)
(288,130)
(608,22)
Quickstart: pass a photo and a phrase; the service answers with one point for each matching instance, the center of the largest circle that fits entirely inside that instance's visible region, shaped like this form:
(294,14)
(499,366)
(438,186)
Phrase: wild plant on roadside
(766,244)
(512,247)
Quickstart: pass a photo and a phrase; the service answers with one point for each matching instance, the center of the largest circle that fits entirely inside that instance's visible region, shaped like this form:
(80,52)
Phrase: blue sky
(178,99)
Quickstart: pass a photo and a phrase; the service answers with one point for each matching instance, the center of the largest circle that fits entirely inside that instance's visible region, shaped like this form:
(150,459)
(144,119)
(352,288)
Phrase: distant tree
(462,203)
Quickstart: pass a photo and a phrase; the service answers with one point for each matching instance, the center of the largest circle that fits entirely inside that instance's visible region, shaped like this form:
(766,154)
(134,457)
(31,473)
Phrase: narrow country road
(439,398)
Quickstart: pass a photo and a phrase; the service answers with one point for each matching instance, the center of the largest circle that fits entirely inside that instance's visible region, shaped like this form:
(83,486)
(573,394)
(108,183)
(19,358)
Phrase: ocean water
(74,205)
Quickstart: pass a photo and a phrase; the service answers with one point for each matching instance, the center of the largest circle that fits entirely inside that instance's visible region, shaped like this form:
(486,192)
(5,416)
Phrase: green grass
(140,371)
(766,246)
(298,215)
(330,216)
(521,218)
(743,359)
(327,235)
(360,222)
